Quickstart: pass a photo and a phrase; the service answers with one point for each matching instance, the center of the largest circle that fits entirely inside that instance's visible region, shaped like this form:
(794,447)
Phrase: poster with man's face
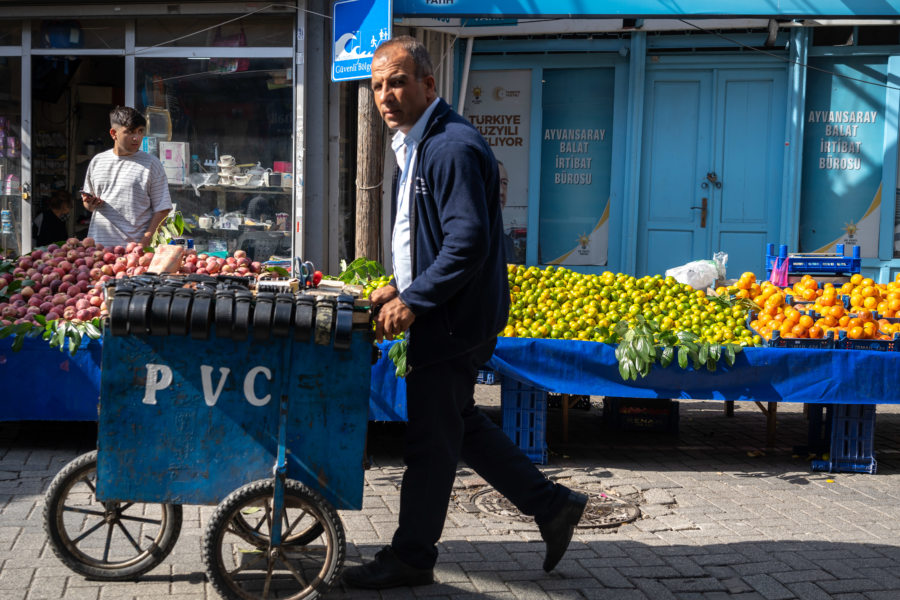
(498,103)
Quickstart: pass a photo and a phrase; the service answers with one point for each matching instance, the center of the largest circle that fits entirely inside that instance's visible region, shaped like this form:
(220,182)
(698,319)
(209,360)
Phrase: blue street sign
(359,26)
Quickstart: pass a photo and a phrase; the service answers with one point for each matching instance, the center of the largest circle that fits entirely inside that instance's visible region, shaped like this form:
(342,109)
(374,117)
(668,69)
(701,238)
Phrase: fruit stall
(824,341)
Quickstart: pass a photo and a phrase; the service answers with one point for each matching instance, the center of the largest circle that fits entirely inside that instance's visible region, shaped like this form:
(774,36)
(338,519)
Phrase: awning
(793,9)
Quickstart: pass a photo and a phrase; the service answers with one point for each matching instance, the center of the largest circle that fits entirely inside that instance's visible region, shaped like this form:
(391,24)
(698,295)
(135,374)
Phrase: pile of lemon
(559,303)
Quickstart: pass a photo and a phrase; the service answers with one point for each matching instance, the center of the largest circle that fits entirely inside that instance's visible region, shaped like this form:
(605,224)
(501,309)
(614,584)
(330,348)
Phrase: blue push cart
(261,412)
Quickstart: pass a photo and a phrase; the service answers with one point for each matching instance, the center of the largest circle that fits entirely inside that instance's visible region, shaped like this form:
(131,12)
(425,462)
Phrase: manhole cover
(601,511)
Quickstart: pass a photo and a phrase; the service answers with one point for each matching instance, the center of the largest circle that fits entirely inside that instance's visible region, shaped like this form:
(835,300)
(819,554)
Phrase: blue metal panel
(617,205)
(728,40)
(633,148)
(794,123)
(648,8)
(507,46)
(186,421)
(534,174)
(817,51)
(889,170)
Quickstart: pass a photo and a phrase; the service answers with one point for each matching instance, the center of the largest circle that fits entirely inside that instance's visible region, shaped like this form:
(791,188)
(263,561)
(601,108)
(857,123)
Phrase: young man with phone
(125,188)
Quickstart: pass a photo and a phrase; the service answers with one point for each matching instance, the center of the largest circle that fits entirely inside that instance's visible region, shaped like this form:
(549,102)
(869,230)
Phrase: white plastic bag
(721,260)
(699,274)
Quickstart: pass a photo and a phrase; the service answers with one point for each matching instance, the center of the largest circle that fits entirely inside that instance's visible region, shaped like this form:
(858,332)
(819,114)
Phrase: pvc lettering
(248,386)
(209,396)
(159,377)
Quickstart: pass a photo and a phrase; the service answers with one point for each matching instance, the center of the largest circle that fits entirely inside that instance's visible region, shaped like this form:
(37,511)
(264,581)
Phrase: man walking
(450,292)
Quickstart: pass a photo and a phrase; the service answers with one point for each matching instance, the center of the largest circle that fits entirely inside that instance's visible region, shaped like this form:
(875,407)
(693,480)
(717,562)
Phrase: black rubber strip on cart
(304,313)
(159,310)
(241,324)
(324,319)
(224,311)
(282,315)
(202,312)
(118,312)
(262,315)
(180,311)
(343,322)
(139,310)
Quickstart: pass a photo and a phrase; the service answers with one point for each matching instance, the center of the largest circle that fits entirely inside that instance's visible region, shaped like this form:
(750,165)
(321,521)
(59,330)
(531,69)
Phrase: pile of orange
(788,321)
(765,293)
(865,293)
(820,309)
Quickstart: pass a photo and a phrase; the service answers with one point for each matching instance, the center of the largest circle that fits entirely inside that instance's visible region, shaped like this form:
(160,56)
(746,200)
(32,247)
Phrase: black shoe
(386,571)
(557,532)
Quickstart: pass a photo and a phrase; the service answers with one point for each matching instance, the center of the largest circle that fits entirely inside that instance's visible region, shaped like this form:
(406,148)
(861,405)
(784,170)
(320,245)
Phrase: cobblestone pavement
(721,517)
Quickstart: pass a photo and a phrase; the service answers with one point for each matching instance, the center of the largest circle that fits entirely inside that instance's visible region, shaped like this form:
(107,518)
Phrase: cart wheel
(242,567)
(249,531)
(105,540)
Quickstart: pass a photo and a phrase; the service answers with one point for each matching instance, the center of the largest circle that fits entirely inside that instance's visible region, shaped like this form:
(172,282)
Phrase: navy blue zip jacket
(459,292)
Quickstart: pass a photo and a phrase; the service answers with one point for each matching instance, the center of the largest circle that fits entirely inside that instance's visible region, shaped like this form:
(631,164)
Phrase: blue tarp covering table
(762,374)
(41,383)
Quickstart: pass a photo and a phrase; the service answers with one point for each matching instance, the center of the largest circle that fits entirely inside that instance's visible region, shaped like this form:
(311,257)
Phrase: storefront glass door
(712,160)
(10,155)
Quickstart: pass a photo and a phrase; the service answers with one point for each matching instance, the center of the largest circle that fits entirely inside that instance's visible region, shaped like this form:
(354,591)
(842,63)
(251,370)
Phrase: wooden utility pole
(369,174)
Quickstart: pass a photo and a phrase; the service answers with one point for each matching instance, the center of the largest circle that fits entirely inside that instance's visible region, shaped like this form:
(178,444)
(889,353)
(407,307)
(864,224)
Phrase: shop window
(347,171)
(10,33)
(223,130)
(259,31)
(79,33)
(11,225)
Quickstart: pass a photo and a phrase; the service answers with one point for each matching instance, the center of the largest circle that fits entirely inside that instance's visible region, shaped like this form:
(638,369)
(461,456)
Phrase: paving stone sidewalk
(721,517)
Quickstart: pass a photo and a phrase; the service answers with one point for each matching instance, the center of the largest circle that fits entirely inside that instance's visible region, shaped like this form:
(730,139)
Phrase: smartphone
(91,200)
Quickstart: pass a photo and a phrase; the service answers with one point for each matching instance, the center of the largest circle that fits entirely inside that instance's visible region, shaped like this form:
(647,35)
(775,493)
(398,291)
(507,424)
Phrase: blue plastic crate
(824,264)
(845,343)
(486,377)
(524,410)
(852,440)
(776,341)
(641,414)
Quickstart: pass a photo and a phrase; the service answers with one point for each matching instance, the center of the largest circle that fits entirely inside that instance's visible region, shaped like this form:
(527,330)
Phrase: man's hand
(393,317)
(146,240)
(383,295)
(90,202)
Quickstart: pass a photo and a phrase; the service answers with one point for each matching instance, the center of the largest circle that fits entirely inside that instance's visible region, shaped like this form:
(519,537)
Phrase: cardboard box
(176,160)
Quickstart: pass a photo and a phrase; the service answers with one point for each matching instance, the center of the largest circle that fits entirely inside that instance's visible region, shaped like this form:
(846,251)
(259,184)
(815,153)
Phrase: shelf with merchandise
(233,188)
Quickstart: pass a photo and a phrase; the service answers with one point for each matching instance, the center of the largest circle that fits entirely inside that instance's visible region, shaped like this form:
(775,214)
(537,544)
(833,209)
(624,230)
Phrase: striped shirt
(132,188)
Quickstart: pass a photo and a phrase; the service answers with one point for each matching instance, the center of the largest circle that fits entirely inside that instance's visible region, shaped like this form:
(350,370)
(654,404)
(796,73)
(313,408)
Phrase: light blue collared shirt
(405,148)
